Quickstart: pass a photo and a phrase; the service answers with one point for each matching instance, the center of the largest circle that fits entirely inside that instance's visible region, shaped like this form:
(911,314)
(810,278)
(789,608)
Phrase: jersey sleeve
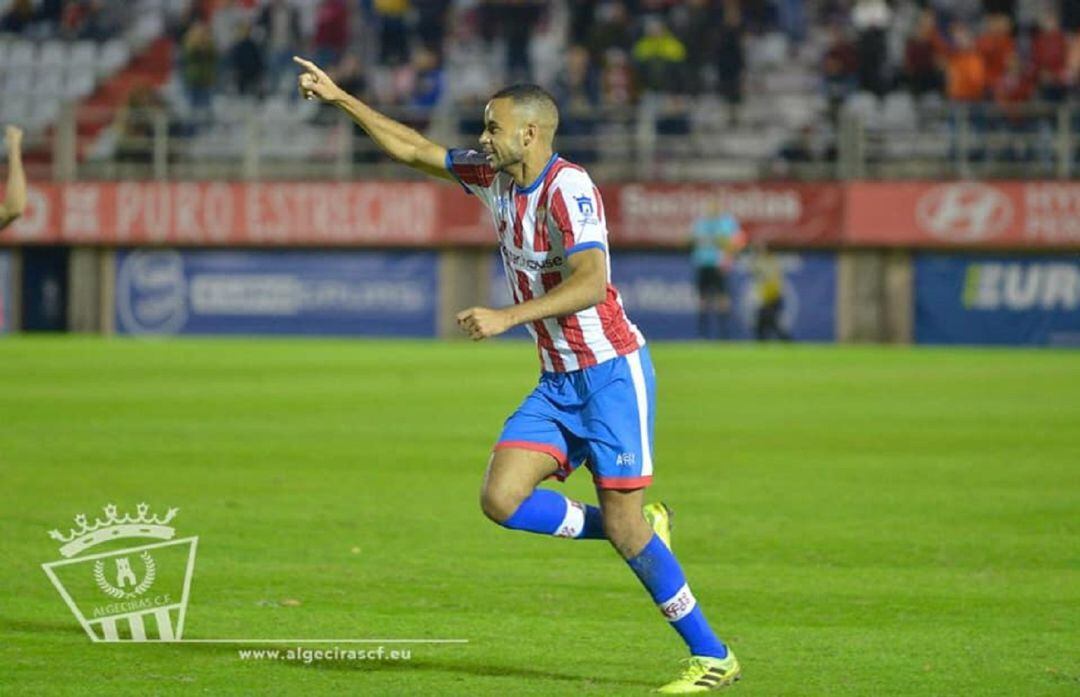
(578,212)
(471,169)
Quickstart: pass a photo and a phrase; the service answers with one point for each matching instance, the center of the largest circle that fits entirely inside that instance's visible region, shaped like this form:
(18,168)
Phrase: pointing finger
(306,64)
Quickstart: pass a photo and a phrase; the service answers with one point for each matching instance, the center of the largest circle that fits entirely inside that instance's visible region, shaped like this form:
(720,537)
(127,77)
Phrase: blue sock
(662,576)
(550,513)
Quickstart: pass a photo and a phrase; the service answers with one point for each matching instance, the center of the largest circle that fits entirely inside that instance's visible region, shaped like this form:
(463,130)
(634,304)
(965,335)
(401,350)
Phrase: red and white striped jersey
(539,228)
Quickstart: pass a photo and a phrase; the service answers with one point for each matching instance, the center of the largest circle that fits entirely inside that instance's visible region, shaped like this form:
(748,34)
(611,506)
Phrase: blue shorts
(601,416)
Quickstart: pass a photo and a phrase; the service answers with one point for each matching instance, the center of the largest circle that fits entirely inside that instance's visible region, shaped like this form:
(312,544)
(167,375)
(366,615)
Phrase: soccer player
(595,400)
(15,198)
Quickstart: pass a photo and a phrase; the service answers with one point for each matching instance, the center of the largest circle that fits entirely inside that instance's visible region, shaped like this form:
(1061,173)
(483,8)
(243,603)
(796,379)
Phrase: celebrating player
(15,198)
(595,401)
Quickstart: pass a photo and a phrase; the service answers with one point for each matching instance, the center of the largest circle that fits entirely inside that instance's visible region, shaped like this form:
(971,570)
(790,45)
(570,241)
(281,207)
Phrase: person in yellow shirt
(769,286)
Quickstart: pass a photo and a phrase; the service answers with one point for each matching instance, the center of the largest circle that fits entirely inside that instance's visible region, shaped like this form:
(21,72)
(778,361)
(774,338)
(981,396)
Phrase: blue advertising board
(1017,300)
(660,296)
(276,292)
(658,290)
(6,292)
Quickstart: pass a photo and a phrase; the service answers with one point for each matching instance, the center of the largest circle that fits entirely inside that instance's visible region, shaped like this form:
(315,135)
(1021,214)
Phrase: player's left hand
(483,322)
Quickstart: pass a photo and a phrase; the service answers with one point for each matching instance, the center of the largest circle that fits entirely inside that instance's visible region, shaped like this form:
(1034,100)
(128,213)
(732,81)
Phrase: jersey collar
(543,175)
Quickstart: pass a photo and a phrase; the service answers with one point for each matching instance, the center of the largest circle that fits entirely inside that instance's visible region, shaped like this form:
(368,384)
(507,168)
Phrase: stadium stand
(678,90)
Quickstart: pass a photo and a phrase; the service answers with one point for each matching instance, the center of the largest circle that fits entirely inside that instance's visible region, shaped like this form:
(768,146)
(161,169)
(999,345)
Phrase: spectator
(1049,58)
(225,23)
(870,19)
(18,18)
(791,16)
(100,21)
(730,55)
(660,58)
(50,12)
(331,31)
(966,79)
(1013,93)
(393,31)
(612,30)
(428,85)
(279,26)
(923,56)
(582,16)
(199,58)
(839,66)
(431,17)
(996,46)
(247,61)
(134,125)
(1014,89)
(577,93)
(695,25)
(618,85)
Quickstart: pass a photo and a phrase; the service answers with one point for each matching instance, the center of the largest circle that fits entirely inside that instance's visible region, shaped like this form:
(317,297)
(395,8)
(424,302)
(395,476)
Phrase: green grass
(855,521)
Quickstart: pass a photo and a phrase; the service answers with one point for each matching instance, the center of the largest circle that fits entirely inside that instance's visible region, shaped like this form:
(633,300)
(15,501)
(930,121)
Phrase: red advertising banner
(392,214)
(1043,215)
(663,214)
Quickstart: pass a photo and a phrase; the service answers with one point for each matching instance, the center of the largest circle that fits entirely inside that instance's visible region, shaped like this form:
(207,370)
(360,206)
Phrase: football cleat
(704,673)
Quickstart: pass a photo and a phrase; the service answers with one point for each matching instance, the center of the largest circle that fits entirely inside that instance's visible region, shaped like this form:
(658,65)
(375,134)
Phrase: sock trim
(679,605)
(573,523)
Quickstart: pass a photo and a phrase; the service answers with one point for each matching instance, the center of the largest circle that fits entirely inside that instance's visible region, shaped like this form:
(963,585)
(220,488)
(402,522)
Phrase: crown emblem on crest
(114,527)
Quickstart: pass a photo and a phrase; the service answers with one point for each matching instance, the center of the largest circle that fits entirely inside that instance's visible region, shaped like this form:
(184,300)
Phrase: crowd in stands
(95,20)
(599,57)
(598,53)
(967,52)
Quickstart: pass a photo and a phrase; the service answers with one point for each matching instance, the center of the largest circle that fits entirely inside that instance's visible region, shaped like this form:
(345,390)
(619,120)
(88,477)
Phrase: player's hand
(314,83)
(483,322)
(13,136)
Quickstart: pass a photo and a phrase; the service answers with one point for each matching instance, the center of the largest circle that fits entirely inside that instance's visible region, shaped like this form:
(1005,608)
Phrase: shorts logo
(626,459)
(136,593)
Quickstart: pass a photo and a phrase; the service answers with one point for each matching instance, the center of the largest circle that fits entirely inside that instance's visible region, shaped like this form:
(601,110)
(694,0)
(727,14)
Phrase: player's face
(503,139)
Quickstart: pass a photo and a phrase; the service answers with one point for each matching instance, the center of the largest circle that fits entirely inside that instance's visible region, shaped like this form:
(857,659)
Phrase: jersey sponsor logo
(521,261)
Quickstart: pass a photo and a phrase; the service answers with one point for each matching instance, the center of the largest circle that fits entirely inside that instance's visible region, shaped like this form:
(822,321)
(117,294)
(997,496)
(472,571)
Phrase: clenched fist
(482,322)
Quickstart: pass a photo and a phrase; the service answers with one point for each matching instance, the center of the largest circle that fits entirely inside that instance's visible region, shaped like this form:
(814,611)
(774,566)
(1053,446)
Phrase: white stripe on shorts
(641,391)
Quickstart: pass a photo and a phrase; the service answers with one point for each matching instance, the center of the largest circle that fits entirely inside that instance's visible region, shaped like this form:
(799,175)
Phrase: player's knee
(499,504)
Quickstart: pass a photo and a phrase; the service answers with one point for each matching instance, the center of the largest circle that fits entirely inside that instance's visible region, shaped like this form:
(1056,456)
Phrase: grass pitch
(855,521)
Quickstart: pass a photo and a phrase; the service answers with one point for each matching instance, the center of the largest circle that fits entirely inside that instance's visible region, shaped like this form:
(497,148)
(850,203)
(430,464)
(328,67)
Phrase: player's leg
(622,468)
(657,568)
(704,300)
(531,448)
(510,497)
(723,305)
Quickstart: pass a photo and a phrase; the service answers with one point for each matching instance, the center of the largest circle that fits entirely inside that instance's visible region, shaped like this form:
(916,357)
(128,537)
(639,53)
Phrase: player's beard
(501,163)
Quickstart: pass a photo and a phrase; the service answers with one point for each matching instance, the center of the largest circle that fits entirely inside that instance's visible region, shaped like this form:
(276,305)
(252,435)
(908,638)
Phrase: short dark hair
(531,95)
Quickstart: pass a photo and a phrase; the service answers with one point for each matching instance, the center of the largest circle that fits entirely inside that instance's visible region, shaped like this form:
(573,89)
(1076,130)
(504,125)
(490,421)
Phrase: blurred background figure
(768,274)
(715,240)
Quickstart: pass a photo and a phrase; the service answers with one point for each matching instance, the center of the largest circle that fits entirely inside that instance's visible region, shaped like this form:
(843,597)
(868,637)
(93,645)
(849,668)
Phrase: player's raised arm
(399,141)
(15,198)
